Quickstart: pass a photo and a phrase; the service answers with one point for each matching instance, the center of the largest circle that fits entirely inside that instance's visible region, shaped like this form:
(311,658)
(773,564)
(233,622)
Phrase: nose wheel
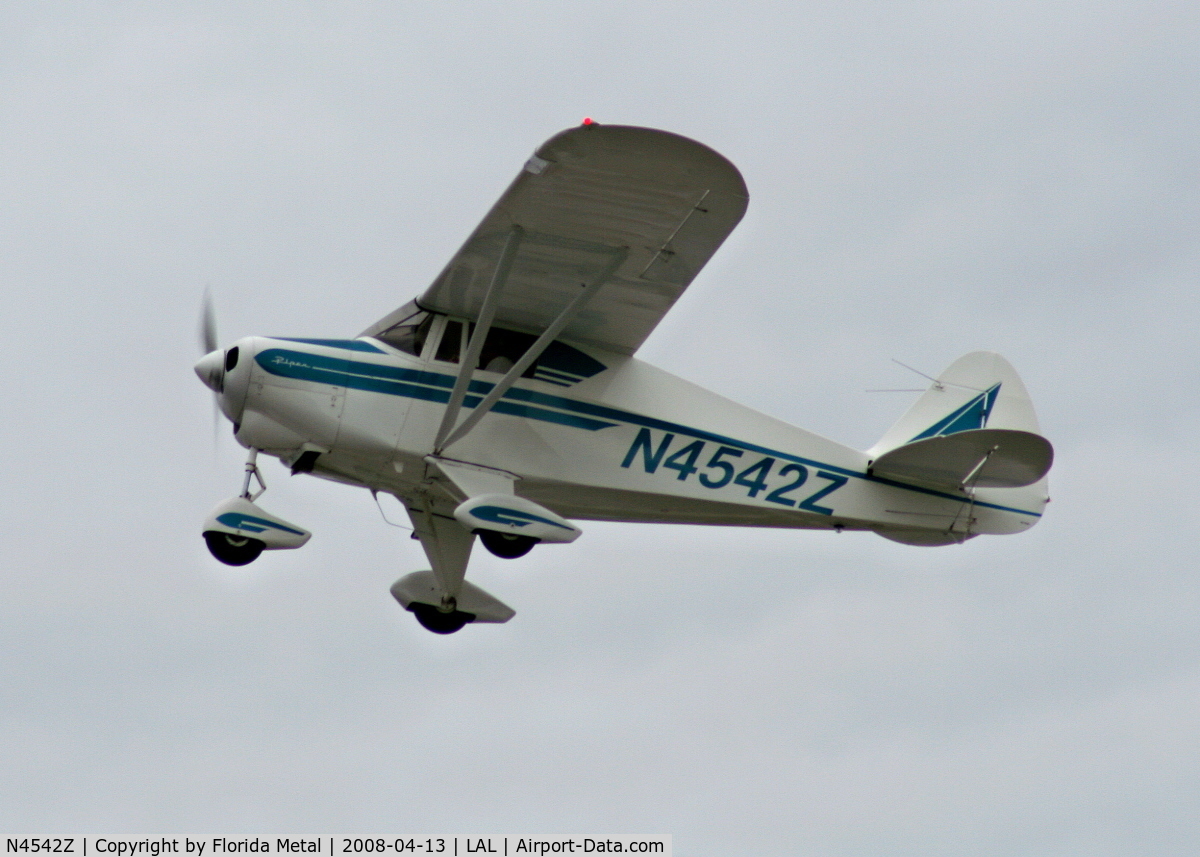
(238,530)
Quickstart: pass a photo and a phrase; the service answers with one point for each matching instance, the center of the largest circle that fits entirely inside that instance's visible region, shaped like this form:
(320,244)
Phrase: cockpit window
(560,364)
(410,334)
(503,348)
(448,349)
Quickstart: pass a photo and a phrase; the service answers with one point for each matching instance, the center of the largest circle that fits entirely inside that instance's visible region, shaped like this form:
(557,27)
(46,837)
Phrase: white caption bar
(506,845)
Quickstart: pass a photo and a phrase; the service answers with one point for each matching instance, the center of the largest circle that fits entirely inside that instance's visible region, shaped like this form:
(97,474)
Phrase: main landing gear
(233,550)
(440,599)
(423,593)
(238,530)
(442,619)
(506,545)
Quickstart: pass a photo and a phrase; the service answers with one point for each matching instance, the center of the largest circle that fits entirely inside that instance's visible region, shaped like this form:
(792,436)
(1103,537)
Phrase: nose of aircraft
(211,369)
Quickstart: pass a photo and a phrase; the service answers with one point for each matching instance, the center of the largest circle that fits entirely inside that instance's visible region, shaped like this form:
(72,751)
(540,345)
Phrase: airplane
(506,401)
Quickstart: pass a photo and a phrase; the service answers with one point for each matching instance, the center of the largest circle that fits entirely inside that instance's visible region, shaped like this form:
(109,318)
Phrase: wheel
(507,545)
(433,619)
(231,549)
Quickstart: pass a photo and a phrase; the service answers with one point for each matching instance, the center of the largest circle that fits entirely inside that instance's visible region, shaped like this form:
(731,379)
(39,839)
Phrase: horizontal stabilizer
(983,458)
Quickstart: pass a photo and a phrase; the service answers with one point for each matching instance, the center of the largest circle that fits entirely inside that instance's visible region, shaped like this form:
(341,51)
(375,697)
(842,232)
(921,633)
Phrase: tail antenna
(937,385)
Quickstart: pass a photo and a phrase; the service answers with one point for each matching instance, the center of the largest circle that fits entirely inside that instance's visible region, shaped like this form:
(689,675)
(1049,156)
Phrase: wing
(640,209)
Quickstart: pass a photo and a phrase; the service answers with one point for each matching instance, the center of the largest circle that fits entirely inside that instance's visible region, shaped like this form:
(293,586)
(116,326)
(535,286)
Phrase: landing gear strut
(235,549)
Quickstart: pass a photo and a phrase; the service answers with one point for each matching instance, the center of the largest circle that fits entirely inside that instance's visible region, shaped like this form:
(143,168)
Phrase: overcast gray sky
(926,179)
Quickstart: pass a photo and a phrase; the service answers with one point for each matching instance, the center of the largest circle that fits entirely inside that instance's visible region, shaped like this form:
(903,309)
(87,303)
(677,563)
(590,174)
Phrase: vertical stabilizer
(980,390)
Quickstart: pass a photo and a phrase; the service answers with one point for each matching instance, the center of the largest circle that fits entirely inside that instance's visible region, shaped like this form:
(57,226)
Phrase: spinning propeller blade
(208,324)
(208,344)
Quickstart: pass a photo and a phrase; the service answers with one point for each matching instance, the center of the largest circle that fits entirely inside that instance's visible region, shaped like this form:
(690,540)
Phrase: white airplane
(506,402)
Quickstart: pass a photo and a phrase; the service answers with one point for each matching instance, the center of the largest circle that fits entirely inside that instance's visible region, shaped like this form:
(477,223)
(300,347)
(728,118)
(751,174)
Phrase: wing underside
(637,209)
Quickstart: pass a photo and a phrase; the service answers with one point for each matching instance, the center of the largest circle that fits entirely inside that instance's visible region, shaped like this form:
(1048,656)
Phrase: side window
(410,334)
(503,348)
(560,364)
(451,344)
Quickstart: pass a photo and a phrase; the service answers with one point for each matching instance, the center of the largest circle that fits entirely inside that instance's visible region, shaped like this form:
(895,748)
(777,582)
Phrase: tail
(973,428)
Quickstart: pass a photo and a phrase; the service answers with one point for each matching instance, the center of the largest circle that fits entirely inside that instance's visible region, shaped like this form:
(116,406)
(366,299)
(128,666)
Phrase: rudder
(974,427)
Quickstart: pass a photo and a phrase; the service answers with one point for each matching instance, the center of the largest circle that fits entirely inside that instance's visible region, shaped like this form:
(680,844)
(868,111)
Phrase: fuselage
(588,434)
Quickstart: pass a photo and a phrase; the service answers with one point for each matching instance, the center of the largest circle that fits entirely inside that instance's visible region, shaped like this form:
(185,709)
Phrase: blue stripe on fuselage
(398,381)
(435,387)
(346,344)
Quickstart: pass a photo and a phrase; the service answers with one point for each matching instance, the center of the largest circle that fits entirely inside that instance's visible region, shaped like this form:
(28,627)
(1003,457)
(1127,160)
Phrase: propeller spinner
(216,363)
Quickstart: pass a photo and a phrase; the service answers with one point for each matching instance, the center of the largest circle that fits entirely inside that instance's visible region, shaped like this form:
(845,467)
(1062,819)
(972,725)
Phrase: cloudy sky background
(926,179)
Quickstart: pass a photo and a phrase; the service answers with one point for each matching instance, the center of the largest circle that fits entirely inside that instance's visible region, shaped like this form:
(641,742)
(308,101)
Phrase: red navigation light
(588,120)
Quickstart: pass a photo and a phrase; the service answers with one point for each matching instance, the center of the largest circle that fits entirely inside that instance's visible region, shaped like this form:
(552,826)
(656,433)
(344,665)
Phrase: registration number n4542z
(717,466)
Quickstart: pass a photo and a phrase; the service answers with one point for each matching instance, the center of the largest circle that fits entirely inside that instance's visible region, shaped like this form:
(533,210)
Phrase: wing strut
(486,313)
(533,353)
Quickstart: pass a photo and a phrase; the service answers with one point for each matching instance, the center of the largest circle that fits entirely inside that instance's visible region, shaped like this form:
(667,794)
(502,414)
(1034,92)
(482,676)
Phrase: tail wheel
(231,549)
(506,545)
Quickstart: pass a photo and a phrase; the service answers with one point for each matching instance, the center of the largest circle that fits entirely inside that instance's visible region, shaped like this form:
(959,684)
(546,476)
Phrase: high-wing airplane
(506,401)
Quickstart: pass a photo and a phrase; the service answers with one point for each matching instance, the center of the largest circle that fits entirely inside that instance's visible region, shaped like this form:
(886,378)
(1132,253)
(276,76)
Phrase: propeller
(208,344)
(208,324)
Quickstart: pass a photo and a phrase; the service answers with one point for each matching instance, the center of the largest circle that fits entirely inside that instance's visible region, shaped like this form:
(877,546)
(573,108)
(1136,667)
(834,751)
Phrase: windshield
(409,335)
